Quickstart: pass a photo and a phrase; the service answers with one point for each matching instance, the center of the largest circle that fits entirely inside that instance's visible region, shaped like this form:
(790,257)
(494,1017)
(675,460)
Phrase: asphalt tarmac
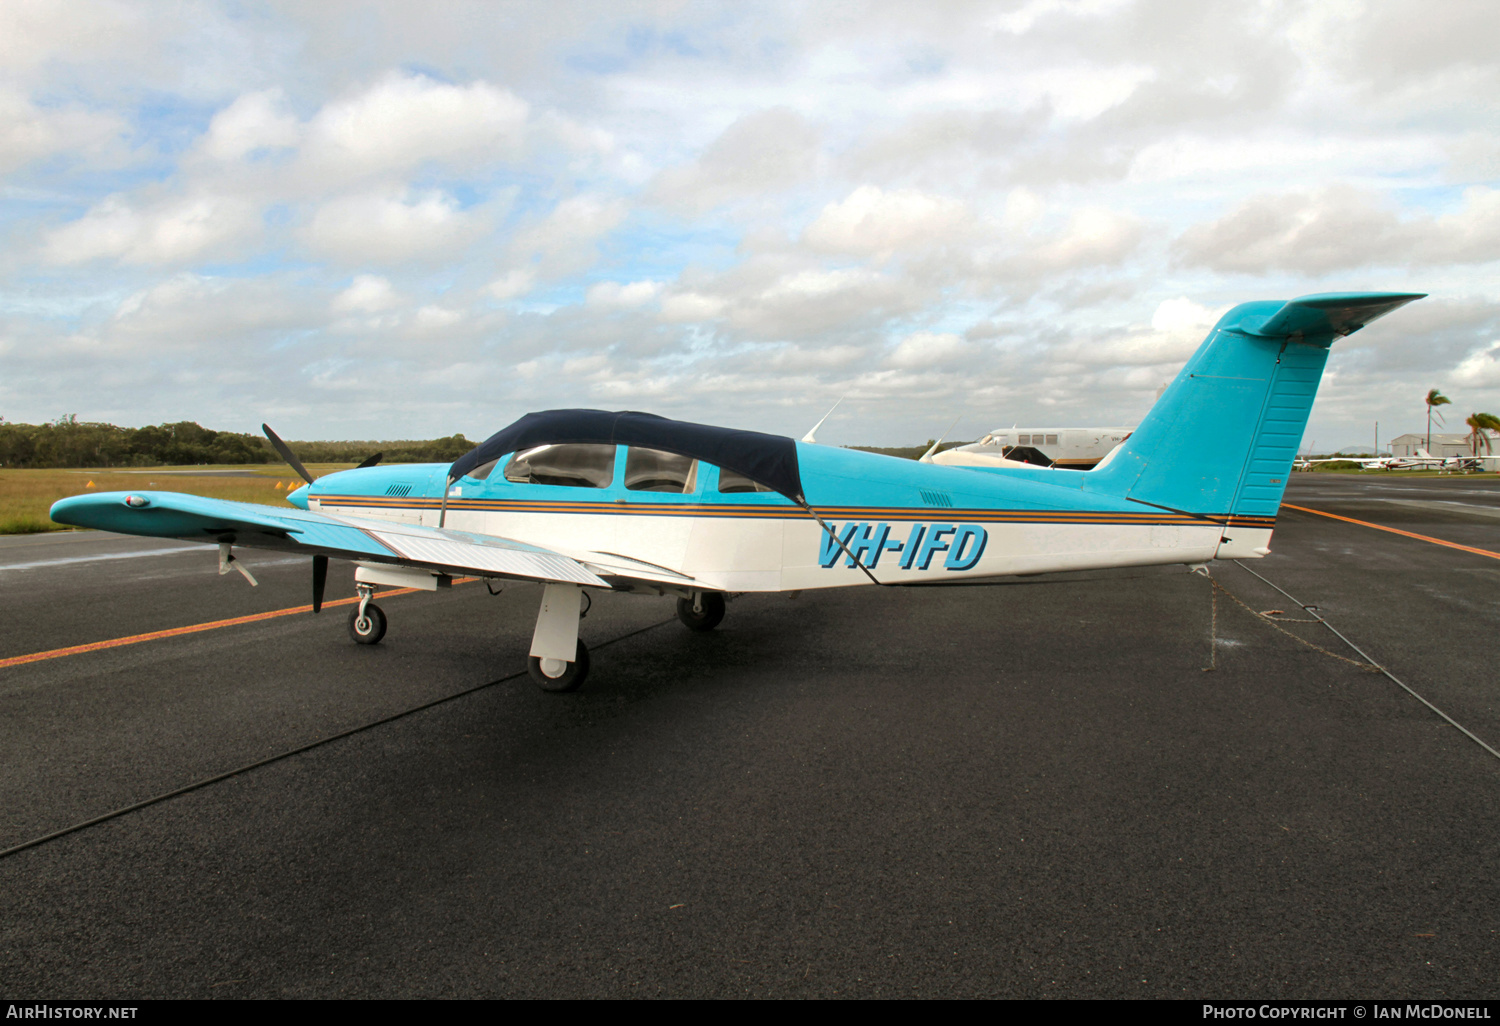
(1023,789)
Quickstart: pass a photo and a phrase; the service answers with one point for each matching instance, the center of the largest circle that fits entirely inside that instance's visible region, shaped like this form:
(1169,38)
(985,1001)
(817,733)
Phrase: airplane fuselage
(904,522)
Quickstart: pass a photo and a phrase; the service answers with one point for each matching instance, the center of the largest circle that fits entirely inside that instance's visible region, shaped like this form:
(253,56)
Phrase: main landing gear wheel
(710,611)
(556,675)
(367,629)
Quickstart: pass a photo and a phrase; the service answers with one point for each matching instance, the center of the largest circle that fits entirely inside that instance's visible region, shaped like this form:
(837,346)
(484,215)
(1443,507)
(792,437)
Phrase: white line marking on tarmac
(38,564)
(1447,505)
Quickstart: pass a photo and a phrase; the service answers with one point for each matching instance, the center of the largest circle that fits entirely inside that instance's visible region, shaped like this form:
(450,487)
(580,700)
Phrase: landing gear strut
(559,660)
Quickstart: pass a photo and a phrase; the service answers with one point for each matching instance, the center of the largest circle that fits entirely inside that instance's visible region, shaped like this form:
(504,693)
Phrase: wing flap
(611,564)
(447,553)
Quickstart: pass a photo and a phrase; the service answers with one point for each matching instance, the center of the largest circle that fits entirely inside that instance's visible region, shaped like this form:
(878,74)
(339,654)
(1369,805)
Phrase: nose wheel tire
(558,676)
(711,611)
(367,629)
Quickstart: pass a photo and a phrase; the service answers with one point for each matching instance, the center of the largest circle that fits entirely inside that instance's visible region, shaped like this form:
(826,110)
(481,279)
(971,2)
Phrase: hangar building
(1442,445)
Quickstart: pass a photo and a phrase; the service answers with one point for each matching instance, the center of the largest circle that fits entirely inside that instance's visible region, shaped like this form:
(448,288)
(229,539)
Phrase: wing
(194,518)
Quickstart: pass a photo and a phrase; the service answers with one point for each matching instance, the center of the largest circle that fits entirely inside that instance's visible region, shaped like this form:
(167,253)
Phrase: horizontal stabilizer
(1327,314)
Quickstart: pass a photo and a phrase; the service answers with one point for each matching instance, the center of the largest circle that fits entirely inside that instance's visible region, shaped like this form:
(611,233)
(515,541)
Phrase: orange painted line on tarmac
(1392,530)
(136,639)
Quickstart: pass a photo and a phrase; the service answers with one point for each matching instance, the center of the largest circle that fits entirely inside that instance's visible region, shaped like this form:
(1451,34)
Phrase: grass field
(27,495)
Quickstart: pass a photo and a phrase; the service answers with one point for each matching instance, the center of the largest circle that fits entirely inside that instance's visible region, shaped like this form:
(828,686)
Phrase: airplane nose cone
(298,498)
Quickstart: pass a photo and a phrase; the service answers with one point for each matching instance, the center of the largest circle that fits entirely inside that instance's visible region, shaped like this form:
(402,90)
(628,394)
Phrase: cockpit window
(651,470)
(734,481)
(573,464)
(483,471)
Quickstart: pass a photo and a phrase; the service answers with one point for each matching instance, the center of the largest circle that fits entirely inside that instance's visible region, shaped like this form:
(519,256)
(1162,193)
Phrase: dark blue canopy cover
(770,460)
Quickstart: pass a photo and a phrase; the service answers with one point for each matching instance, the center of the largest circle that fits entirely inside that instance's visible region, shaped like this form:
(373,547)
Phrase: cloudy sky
(408,219)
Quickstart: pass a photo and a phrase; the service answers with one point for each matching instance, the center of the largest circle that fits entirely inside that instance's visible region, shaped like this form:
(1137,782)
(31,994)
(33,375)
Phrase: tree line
(69,442)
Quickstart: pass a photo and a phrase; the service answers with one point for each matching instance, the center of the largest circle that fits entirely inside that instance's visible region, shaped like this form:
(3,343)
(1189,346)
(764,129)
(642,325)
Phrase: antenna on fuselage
(808,438)
(926,457)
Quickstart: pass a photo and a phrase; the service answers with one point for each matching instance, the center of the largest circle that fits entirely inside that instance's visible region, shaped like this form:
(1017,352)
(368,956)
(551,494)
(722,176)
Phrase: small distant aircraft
(1365,462)
(578,499)
(1421,460)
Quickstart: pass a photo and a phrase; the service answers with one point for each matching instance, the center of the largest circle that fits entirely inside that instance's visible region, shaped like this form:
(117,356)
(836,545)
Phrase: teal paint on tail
(1222,437)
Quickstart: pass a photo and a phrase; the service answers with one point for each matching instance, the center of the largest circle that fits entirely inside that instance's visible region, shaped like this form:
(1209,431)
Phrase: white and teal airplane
(578,499)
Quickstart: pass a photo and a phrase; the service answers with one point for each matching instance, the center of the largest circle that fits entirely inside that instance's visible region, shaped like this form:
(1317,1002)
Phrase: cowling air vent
(936,498)
(398,489)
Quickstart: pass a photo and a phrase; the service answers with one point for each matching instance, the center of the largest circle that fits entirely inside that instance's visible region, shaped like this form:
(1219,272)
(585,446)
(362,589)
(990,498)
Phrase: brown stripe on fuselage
(780,512)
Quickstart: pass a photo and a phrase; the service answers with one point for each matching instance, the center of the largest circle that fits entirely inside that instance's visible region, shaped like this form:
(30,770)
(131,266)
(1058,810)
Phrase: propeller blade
(287,453)
(320,581)
(371,461)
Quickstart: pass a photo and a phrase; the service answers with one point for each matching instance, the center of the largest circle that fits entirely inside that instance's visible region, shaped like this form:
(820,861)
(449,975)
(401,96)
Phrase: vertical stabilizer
(1221,440)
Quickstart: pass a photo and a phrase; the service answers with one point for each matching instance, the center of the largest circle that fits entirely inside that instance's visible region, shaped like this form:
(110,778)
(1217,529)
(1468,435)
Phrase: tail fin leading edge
(1222,438)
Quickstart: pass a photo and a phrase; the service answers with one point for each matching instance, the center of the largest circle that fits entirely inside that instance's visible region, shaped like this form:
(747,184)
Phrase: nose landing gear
(366,621)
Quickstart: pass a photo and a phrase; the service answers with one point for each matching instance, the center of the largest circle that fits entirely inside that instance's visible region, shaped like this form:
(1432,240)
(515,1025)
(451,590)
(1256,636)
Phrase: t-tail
(1220,441)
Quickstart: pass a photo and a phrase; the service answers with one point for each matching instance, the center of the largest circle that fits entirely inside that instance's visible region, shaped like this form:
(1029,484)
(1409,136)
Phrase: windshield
(574,465)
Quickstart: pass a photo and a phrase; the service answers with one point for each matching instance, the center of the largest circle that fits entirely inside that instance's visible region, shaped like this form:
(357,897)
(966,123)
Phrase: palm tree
(1434,398)
(1479,423)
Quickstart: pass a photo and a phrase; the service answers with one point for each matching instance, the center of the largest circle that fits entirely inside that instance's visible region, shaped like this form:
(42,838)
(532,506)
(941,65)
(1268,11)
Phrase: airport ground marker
(1392,530)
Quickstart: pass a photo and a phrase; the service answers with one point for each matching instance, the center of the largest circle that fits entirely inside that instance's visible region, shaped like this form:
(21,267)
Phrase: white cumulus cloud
(391,227)
(169,232)
(1342,227)
(612,295)
(368,293)
(875,223)
(684,307)
(1479,369)
(404,121)
(29,132)
(927,349)
(511,285)
(760,152)
(253,122)
(564,241)
(1094,236)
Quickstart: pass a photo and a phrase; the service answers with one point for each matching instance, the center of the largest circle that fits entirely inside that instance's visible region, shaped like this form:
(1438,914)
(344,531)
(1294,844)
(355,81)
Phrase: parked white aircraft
(1061,448)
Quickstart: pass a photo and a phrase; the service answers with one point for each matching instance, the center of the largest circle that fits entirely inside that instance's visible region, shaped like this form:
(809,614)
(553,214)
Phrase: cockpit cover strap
(770,460)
